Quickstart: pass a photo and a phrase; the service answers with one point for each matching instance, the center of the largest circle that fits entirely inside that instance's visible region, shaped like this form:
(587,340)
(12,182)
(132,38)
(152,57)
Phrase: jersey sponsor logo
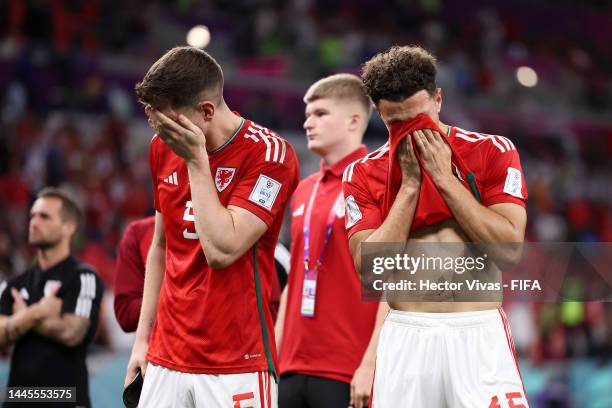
(353,212)
(172,179)
(265,191)
(51,286)
(514,183)
(276,147)
(299,211)
(224,177)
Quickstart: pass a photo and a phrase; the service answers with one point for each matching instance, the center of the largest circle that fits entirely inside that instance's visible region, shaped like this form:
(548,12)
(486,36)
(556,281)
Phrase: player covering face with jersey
(436,353)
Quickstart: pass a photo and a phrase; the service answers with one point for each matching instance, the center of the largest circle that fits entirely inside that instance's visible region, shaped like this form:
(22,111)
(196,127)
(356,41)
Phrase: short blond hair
(340,86)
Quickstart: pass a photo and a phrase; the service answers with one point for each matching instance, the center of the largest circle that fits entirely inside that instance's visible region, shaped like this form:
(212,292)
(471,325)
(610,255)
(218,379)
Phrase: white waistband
(454,319)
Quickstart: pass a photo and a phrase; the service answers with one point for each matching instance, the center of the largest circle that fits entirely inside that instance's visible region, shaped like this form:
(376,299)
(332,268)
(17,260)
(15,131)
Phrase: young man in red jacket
(325,332)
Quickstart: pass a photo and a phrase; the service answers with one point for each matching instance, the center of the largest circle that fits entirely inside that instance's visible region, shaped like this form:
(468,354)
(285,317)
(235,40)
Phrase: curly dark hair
(399,73)
(180,78)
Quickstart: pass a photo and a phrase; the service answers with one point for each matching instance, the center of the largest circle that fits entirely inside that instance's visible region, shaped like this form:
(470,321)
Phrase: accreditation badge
(308,295)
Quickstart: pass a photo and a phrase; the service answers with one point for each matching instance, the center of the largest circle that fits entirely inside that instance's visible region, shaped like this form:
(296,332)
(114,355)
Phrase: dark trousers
(306,391)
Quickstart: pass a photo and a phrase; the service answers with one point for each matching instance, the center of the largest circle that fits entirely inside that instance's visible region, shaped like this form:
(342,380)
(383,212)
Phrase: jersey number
(188,216)
(510,396)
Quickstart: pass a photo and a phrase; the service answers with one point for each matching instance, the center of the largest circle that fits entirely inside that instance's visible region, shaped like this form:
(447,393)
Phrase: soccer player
(328,342)
(50,312)
(221,183)
(436,354)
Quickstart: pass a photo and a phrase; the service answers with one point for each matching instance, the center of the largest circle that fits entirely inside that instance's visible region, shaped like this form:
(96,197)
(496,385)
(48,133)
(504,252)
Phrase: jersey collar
(338,168)
(232,137)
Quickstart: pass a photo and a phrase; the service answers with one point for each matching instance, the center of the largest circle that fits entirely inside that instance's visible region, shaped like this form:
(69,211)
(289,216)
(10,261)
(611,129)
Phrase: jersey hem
(244,204)
(345,378)
(504,200)
(206,369)
(362,227)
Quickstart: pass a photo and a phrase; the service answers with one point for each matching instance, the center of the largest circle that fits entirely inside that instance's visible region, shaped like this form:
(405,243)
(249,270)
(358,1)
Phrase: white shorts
(447,360)
(166,388)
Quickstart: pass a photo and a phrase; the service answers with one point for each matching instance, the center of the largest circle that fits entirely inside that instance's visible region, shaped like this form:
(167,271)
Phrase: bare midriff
(445,232)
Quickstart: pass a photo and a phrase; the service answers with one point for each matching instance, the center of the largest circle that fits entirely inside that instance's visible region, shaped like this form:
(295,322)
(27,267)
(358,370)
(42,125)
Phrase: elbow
(219,260)
(126,325)
(72,340)
(127,312)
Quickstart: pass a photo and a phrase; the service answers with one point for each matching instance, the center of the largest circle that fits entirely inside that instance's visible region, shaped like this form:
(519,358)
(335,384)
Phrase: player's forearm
(63,330)
(479,223)
(214,223)
(396,227)
(19,324)
(280,319)
(154,275)
(369,357)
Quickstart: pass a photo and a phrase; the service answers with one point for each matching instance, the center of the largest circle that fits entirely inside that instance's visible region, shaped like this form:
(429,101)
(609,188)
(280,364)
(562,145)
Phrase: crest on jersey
(224,177)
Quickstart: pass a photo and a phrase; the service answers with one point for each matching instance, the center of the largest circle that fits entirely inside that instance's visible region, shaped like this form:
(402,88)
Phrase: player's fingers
(188,124)
(130,374)
(428,134)
(143,367)
(165,122)
(352,398)
(421,143)
(16,294)
(359,401)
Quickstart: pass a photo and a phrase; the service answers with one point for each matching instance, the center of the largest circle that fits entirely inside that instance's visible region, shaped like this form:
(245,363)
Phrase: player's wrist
(444,182)
(409,185)
(199,158)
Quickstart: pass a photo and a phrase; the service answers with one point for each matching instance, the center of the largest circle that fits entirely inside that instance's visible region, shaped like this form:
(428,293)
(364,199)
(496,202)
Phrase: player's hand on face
(435,154)
(180,134)
(411,171)
(138,359)
(361,385)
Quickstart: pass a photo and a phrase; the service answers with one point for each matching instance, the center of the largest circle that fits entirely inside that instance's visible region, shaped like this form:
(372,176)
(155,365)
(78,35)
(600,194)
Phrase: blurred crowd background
(537,72)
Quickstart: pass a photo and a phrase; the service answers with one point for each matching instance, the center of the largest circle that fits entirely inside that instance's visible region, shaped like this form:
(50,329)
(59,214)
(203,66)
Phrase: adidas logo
(172,179)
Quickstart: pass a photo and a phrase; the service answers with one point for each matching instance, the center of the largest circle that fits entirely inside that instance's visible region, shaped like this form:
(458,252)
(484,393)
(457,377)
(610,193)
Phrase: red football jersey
(330,344)
(217,320)
(493,159)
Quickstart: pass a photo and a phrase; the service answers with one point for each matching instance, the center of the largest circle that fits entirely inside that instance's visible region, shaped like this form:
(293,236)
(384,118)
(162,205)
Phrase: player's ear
(354,121)
(207,110)
(70,228)
(438,99)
